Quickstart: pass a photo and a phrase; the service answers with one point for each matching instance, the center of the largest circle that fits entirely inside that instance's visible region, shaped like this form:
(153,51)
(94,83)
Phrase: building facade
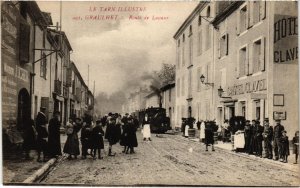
(249,69)
(168,102)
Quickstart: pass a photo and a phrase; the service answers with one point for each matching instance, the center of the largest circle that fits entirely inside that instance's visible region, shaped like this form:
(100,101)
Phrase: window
(190,83)
(258,55)
(43,68)
(200,43)
(199,73)
(178,87)
(183,50)
(170,95)
(191,30)
(243,19)
(208,37)
(178,54)
(199,20)
(243,63)
(223,78)
(183,86)
(191,52)
(223,46)
(44,38)
(259,11)
(208,12)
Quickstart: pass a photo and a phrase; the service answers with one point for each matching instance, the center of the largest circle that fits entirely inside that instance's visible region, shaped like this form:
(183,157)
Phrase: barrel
(192,132)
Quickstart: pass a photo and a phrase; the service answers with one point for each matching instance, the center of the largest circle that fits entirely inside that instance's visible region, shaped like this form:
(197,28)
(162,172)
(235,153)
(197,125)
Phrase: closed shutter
(24,41)
(262,54)
(247,60)
(250,13)
(219,47)
(251,61)
(238,25)
(237,65)
(262,10)
(227,43)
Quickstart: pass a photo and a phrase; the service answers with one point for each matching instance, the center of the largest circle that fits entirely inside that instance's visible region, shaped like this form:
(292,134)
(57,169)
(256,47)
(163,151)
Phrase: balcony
(57,87)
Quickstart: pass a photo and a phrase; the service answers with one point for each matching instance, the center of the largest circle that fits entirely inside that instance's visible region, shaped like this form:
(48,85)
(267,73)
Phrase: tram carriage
(159,122)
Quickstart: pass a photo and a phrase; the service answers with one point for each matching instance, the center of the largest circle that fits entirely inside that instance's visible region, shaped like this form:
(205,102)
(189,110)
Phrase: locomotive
(159,122)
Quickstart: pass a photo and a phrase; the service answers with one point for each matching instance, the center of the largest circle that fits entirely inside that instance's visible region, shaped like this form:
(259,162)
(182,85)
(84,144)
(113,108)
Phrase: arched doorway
(24,109)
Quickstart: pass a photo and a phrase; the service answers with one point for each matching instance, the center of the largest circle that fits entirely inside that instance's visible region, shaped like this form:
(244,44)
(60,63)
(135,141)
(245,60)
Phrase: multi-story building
(239,64)
(195,57)
(257,62)
(168,102)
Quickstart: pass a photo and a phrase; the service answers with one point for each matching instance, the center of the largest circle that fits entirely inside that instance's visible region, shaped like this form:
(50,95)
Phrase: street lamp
(220,93)
(202,79)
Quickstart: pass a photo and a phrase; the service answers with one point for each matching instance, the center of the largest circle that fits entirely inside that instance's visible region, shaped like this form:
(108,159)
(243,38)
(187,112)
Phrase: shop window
(200,43)
(43,67)
(223,46)
(243,19)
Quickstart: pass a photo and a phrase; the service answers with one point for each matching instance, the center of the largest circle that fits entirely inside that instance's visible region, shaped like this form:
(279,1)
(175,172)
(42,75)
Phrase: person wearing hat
(247,136)
(253,146)
(285,149)
(259,138)
(111,134)
(42,134)
(54,144)
(268,136)
(278,128)
(131,139)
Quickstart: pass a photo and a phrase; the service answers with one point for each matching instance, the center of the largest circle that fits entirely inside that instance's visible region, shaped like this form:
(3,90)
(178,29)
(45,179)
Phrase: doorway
(24,107)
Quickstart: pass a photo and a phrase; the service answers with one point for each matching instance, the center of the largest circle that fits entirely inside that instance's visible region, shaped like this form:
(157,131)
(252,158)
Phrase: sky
(123,45)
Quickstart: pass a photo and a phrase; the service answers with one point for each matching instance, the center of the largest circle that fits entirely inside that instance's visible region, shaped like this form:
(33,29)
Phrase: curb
(41,171)
(282,165)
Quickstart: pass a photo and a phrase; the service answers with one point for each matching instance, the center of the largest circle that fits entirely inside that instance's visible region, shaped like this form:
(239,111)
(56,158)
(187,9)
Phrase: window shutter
(227,43)
(251,62)
(238,25)
(262,54)
(237,67)
(262,10)
(24,42)
(219,48)
(250,13)
(247,59)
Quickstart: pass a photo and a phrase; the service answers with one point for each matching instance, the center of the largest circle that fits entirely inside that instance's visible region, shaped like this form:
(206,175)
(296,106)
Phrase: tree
(167,73)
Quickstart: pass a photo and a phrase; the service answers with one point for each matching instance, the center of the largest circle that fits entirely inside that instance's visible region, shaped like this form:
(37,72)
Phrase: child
(285,151)
(97,140)
(296,146)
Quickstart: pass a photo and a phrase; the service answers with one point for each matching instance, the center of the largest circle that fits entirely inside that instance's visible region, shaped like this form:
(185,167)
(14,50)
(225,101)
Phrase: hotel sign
(285,39)
(247,87)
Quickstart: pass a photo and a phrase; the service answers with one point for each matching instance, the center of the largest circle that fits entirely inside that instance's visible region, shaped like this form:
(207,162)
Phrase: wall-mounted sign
(278,100)
(279,115)
(248,87)
(285,39)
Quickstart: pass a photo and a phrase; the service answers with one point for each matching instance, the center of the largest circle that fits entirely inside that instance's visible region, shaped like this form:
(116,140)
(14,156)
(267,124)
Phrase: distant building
(168,102)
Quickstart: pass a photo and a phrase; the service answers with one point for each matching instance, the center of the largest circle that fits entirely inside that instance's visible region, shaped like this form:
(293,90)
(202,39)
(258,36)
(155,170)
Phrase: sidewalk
(16,169)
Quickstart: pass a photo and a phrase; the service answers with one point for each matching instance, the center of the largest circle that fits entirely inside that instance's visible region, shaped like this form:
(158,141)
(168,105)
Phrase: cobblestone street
(173,160)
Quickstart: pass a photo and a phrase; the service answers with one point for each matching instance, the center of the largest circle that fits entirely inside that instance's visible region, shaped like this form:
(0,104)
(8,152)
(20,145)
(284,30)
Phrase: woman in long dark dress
(131,140)
(112,134)
(72,144)
(97,139)
(54,144)
(29,136)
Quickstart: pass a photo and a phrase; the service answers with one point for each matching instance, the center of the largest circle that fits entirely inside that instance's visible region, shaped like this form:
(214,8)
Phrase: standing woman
(97,139)
(111,134)
(29,136)
(146,128)
(72,144)
(131,136)
(54,135)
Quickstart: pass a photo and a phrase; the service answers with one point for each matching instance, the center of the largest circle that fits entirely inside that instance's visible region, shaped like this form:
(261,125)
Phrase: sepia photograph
(150,93)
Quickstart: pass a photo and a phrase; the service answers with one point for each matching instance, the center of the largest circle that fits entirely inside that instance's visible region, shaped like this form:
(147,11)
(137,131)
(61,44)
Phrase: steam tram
(159,122)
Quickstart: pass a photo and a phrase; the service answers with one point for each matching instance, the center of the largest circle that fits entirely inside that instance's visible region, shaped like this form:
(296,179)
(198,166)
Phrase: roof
(167,86)
(64,35)
(227,10)
(34,10)
(190,18)
(48,18)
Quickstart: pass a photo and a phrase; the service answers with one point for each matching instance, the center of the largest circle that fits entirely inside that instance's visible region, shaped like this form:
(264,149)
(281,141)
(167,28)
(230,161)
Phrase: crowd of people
(259,138)
(44,136)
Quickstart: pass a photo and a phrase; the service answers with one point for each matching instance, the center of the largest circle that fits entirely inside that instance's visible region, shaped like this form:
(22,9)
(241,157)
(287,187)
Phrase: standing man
(54,135)
(42,134)
(278,128)
(247,136)
(253,147)
(268,136)
(111,134)
(259,138)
